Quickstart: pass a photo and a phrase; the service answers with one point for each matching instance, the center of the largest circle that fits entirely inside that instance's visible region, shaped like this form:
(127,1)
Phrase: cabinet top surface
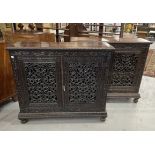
(112,40)
(128,40)
(62,45)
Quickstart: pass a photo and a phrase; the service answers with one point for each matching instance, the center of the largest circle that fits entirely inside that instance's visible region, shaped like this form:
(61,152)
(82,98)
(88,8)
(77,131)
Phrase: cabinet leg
(135,100)
(23,121)
(102,118)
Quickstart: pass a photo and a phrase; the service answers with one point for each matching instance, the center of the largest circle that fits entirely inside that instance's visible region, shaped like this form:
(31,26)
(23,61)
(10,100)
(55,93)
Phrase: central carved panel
(41,82)
(124,69)
(82,82)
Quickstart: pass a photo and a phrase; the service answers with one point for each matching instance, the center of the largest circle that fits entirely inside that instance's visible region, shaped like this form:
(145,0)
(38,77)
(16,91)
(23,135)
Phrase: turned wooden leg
(102,118)
(135,100)
(23,121)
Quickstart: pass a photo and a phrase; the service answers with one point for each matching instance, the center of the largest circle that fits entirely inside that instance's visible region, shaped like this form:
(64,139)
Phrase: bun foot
(23,121)
(135,100)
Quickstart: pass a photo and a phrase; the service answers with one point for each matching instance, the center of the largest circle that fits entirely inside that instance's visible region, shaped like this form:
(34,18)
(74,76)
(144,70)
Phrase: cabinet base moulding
(136,96)
(25,116)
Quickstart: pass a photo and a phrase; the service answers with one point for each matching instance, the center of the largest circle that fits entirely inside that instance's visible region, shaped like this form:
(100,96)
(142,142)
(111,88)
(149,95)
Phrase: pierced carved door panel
(37,82)
(129,61)
(84,83)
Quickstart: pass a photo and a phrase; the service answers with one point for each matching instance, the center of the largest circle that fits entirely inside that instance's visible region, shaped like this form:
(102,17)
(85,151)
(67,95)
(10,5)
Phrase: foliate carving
(82,82)
(130,47)
(120,79)
(124,69)
(125,62)
(41,82)
(58,52)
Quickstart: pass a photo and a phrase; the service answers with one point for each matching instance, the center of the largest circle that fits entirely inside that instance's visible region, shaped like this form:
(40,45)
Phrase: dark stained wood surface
(69,83)
(61,45)
(128,40)
(111,40)
(129,61)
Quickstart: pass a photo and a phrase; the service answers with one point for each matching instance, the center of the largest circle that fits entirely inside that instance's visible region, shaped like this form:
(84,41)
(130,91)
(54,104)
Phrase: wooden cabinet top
(128,40)
(61,45)
(112,40)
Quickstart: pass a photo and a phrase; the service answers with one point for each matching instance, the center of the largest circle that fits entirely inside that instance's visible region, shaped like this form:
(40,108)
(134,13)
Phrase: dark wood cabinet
(62,79)
(129,61)
(7,85)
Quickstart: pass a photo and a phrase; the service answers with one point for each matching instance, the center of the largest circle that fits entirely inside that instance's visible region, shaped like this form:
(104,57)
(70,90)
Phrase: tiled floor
(122,115)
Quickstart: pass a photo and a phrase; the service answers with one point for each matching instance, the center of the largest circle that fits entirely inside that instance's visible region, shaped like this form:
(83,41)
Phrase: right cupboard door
(84,83)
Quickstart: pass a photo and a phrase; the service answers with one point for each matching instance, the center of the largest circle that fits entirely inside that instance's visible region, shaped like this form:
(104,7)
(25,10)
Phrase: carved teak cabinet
(129,62)
(61,79)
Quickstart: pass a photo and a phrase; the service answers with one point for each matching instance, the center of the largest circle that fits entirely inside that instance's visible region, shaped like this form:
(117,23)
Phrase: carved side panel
(20,83)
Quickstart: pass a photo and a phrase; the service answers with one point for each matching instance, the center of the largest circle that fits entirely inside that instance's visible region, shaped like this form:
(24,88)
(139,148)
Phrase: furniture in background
(62,79)
(88,29)
(73,30)
(104,29)
(68,30)
(39,27)
(149,69)
(142,34)
(28,36)
(7,85)
(60,35)
(21,27)
(1,35)
(143,31)
(152,34)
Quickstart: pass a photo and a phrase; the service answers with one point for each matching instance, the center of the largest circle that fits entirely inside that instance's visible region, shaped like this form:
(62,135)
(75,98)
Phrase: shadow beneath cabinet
(120,100)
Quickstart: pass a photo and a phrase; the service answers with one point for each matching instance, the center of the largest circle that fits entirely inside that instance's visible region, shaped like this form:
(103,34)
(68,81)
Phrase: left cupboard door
(39,83)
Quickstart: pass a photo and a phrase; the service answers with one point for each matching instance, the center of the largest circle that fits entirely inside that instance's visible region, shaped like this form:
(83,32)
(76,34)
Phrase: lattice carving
(41,82)
(124,69)
(122,79)
(82,82)
(130,47)
(125,63)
